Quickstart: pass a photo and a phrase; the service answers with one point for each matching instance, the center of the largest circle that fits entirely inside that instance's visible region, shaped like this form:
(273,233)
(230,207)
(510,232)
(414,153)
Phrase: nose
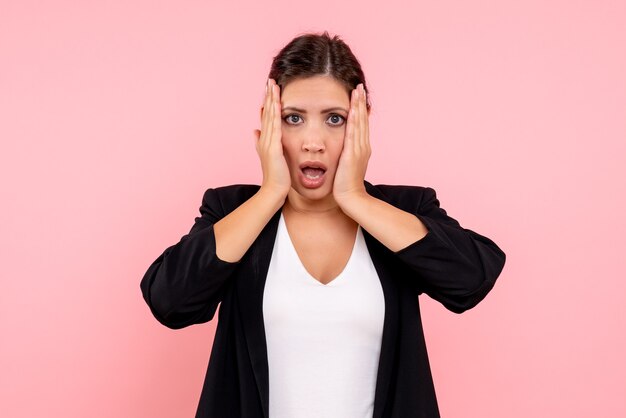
(310,146)
(313,142)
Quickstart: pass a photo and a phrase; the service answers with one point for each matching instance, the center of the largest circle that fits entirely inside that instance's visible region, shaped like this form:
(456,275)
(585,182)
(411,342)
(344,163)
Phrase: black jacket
(185,284)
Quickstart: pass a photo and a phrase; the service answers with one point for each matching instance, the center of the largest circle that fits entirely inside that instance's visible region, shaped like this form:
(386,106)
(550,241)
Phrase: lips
(312,174)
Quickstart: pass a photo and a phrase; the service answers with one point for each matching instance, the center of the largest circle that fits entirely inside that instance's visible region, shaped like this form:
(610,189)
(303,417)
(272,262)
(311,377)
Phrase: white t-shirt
(323,341)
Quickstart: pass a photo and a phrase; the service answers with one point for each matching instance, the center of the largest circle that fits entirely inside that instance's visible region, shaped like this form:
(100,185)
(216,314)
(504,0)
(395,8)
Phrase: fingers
(356,138)
(269,137)
(268,123)
(364,121)
(358,128)
(276,117)
(264,117)
(270,115)
(266,107)
(353,140)
(362,132)
(349,135)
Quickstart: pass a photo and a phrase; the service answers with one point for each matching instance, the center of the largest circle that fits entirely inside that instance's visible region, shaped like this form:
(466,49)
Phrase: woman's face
(314,117)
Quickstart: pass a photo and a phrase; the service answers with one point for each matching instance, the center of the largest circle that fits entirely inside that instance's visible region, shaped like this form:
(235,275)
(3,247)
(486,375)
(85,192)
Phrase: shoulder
(229,197)
(402,196)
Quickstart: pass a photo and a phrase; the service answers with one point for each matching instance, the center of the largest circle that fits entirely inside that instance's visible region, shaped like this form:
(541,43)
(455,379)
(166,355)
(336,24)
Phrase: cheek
(287,143)
(289,149)
(336,147)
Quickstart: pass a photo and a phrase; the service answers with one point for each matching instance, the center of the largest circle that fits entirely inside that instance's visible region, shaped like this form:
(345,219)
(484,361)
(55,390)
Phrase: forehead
(314,92)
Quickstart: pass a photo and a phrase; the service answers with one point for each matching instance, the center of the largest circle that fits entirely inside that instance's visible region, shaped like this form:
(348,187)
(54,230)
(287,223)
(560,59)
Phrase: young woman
(317,270)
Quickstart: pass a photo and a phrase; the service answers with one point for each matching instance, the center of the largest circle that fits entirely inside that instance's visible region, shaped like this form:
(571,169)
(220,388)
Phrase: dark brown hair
(313,54)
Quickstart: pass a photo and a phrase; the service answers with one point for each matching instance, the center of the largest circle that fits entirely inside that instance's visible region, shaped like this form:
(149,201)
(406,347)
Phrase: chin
(319,193)
(313,194)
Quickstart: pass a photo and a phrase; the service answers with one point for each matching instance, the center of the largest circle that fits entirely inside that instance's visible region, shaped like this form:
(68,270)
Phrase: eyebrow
(323,111)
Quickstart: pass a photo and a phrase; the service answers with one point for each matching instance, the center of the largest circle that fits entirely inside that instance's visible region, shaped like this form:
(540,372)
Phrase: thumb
(257,134)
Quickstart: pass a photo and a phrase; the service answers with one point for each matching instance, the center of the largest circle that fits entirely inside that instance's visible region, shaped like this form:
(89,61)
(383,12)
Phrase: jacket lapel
(381,258)
(250,291)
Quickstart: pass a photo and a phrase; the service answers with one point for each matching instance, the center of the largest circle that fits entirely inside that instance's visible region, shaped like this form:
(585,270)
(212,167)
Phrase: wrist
(348,201)
(272,195)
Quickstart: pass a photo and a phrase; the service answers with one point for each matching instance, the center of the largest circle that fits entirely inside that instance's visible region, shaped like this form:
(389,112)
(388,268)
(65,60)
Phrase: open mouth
(312,169)
(312,174)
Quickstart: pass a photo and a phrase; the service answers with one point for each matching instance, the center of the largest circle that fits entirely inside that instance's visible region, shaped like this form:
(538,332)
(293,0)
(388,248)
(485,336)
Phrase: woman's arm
(184,285)
(393,227)
(453,265)
(236,232)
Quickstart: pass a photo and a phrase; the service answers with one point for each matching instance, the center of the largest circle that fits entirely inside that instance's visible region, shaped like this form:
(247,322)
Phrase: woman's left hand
(350,175)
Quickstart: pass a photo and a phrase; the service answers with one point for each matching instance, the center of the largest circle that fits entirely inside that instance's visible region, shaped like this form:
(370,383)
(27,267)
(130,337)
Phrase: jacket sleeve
(454,265)
(184,285)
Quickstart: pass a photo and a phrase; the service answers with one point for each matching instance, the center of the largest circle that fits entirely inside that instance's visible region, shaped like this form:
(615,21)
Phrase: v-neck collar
(282,229)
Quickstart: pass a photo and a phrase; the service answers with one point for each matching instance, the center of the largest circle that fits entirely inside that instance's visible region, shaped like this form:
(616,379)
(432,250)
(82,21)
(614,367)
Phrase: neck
(326,206)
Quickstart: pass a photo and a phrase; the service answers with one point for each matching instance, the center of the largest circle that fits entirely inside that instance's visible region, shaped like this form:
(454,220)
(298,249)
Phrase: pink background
(116,116)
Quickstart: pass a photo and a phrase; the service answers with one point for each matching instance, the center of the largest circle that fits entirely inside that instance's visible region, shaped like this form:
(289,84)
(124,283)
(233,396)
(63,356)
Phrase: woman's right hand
(269,146)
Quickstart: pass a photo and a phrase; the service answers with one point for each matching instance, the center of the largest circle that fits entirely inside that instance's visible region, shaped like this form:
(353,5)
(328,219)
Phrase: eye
(295,119)
(338,120)
(289,119)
